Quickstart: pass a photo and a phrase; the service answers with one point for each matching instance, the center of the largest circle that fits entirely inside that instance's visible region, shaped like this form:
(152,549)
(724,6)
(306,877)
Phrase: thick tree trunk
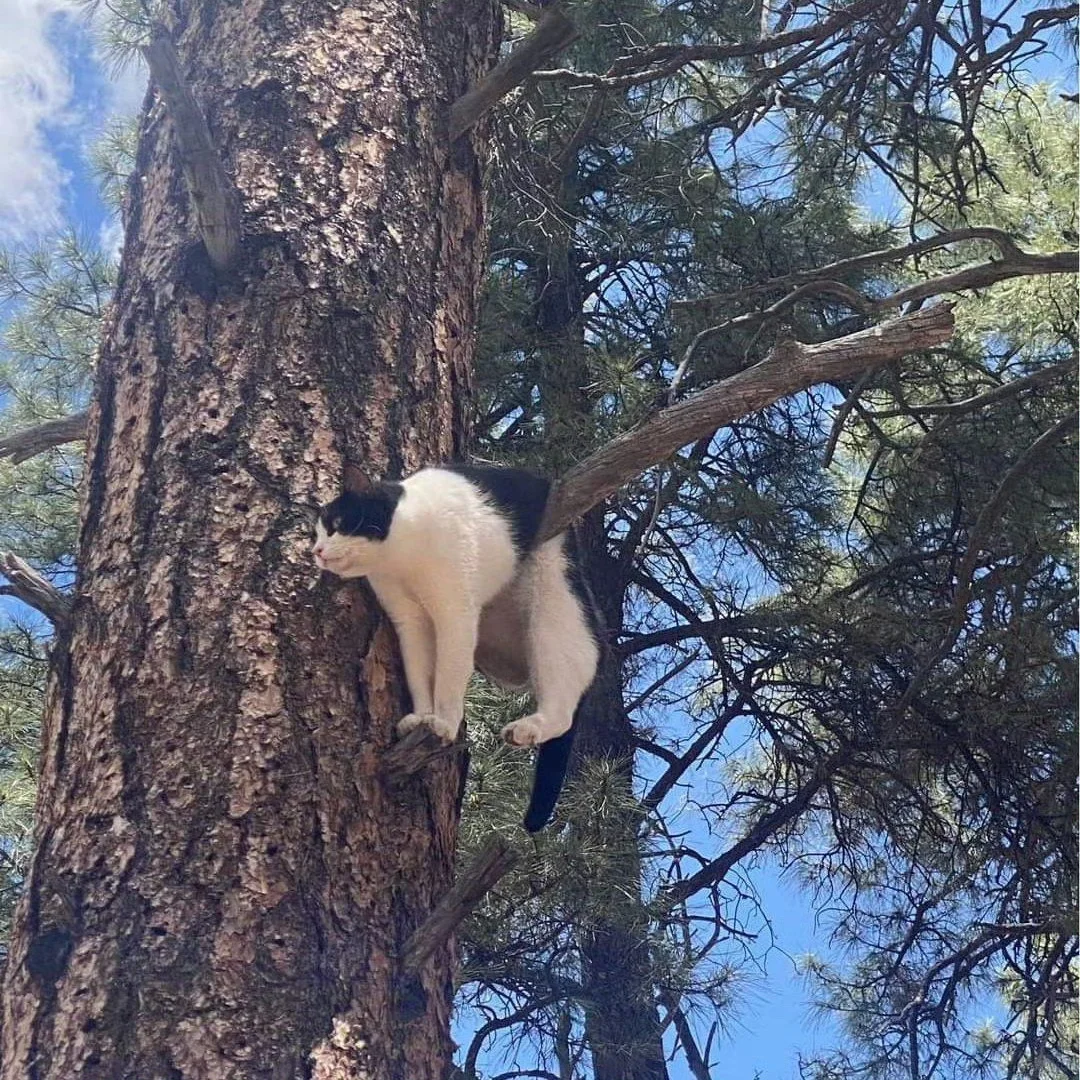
(224,880)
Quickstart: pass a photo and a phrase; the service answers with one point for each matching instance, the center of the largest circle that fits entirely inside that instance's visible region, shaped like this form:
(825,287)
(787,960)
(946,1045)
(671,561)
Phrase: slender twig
(1002,240)
(552,34)
(666,59)
(25,444)
(216,200)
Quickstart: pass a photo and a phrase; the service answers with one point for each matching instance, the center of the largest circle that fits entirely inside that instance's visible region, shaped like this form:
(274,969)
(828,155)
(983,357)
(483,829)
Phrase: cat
(452,555)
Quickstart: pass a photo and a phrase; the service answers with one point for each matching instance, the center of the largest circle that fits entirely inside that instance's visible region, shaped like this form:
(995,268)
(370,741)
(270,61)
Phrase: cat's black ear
(355,479)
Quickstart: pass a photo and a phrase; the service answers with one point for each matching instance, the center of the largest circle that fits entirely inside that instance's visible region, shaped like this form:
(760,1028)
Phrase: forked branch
(553,33)
(789,368)
(216,200)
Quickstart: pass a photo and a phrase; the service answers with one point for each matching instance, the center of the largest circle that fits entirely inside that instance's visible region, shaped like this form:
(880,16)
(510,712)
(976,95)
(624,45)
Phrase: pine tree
(777,594)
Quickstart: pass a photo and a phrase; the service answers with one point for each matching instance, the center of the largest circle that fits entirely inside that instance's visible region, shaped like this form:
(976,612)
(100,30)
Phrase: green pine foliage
(54,295)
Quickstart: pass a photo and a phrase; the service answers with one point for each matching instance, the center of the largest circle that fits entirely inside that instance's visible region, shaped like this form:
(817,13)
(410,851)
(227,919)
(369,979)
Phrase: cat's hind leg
(563,651)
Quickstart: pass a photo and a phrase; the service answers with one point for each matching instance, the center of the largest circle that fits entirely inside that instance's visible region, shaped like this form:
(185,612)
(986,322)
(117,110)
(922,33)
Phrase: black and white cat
(452,555)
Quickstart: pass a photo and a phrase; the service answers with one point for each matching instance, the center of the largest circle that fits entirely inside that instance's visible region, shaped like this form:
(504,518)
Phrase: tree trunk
(224,879)
(621,1023)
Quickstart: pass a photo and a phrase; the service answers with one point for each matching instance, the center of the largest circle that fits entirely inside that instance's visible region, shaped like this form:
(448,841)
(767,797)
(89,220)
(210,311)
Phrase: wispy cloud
(35,88)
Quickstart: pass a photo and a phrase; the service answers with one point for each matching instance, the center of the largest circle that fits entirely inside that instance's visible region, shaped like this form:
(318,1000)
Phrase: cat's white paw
(443,728)
(528,731)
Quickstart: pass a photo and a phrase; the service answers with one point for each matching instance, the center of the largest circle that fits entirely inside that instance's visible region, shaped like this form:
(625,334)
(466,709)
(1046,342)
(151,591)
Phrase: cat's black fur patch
(552,761)
(367,514)
(579,585)
(520,496)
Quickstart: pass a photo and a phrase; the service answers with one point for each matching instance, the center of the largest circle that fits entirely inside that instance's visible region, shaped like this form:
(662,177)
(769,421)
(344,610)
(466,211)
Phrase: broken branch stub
(22,445)
(414,751)
(494,860)
(215,198)
(31,588)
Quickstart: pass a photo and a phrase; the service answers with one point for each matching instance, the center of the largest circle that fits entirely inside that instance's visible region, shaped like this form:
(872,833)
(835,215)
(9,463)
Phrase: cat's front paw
(443,728)
(528,731)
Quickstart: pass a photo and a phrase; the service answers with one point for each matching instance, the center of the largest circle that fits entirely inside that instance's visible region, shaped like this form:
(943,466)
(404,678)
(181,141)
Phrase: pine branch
(789,368)
(553,33)
(977,539)
(32,589)
(216,200)
(23,445)
(1006,245)
(495,860)
(983,274)
(696,1063)
(658,61)
(712,873)
(988,397)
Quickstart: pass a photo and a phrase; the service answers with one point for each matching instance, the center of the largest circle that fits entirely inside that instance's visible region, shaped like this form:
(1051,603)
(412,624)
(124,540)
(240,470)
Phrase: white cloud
(35,89)
(111,238)
(127,90)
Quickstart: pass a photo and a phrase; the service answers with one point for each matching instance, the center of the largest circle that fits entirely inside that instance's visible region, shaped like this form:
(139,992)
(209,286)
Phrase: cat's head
(351,530)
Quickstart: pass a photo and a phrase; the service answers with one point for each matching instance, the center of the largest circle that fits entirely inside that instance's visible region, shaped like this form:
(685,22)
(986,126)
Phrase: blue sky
(56,100)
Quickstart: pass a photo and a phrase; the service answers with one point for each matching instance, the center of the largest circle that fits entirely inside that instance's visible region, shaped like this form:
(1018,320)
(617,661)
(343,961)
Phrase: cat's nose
(319,550)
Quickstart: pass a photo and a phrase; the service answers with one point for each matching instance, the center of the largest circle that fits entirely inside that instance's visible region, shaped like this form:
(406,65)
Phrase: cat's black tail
(551,761)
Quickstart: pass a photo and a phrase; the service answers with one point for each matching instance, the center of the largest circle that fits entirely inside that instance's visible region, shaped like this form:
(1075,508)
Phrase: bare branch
(977,277)
(1004,242)
(633,70)
(696,1063)
(988,397)
(32,589)
(216,200)
(767,826)
(495,860)
(22,445)
(841,418)
(552,34)
(789,368)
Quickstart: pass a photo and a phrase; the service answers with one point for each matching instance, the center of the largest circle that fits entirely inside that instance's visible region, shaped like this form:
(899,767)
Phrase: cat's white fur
(452,584)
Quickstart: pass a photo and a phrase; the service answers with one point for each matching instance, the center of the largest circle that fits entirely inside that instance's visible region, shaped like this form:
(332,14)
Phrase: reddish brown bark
(224,880)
